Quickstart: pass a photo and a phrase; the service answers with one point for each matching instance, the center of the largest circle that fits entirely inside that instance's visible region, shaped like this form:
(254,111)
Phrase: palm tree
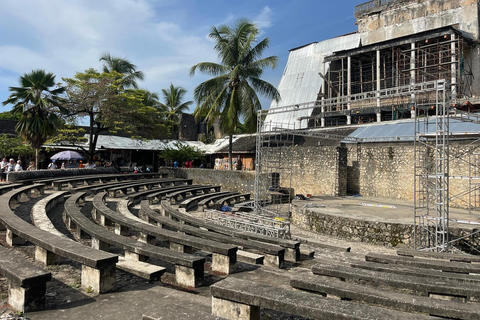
(231,95)
(35,101)
(173,104)
(123,66)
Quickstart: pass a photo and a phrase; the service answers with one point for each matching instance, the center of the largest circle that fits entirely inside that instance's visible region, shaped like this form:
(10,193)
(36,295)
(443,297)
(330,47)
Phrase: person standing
(81,166)
(52,165)
(3,169)
(31,167)
(18,166)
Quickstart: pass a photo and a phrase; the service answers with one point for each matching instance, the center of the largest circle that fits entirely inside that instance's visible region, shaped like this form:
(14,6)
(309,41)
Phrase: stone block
(234,310)
(188,277)
(27,299)
(98,280)
(99,244)
(14,240)
(46,257)
(223,264)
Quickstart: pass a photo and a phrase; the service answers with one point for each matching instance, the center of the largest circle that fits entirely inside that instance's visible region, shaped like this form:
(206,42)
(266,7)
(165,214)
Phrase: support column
(378,78)
(349,88)
(98,280)
(322,121)
(14,240)
(453,67)
(46,257)
(233,310)
(412,76)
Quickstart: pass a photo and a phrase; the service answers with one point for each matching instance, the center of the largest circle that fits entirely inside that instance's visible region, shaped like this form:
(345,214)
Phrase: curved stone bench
(40,209)
(27,282)
(439,255)
(239,299)
(233,199)
(188,268)
(385,298)
(224,256)
(207,201)
(292,247)
(162,193)
(98,268)
(421,285)
(135,198)
(182,194)
(445,265)
(193,202)
(274,255)
(147,185)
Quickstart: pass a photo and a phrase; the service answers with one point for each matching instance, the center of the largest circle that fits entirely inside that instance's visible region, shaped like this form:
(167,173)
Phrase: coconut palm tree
(123,66)
(36,100)
(173,104)
(231,95)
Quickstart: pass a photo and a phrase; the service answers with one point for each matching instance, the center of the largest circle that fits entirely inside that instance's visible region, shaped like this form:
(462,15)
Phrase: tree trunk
(230,147)
(36,159)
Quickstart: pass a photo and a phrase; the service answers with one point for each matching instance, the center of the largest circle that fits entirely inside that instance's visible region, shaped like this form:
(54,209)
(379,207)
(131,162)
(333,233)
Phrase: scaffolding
(432,108)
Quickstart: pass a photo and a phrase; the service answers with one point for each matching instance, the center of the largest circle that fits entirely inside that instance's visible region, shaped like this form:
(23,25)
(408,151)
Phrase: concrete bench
(224,257)
(384,298)
(238,299)
(292,247)
(233,199)
(199,201)
(416,271)
(419,285)
(27,282)
(162,193)
(206,202)
(9,187)
(189,269)
(445,266)
(146,185)
(439,255)
(175,196)
(98,268)
(274,254)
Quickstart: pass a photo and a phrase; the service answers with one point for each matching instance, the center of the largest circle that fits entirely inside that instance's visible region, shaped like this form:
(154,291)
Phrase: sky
(163,38)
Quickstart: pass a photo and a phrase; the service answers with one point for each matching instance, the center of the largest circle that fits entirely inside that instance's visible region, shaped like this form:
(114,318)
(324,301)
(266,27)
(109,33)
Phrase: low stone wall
(380,233)
(45,174)
(238,181)
(348,228)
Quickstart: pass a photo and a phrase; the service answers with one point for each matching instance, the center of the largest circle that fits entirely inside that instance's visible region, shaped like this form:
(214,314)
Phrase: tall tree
(231,95)
(102,99)
(173,104)
(37,100)
(124,67)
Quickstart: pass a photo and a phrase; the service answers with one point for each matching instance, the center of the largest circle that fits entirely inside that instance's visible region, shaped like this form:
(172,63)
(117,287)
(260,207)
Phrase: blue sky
(164,38)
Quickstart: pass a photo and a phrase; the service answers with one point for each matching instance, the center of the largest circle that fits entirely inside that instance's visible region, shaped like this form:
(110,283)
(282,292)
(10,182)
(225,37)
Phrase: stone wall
(406,17)
(238,181)
(380,233)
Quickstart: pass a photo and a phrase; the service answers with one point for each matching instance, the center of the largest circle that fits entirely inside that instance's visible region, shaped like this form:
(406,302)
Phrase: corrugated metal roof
(301,82)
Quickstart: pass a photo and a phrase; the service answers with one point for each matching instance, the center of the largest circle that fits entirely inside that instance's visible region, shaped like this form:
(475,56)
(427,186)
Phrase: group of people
(53,165)
(187,164)
(10,165)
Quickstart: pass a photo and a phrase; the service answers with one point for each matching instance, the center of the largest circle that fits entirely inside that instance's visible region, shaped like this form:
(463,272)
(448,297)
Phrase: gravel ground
(65,286)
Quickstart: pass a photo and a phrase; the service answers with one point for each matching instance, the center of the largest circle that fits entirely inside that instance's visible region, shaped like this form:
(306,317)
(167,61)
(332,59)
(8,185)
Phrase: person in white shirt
(3,169)
(52,165)
(11,165)
(18,167)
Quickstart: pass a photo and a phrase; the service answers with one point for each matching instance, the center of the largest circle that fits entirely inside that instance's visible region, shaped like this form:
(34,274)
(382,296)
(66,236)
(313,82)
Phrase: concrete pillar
(14,240)
(322,122)
(378,79)
(99,245)
(98,280)
(188,277)
(349,81)
(104,220)
(349,119)
(46,257)
(233,310)
(413,65)
(27,299)
(453,67)
(120,230)
(379,117)
(292,254)
(146,238)
(223,264)
(135,256)
(273,261)
(177,247)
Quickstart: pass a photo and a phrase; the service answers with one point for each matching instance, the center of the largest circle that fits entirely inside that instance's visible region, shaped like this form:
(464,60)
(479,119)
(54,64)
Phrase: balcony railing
(370,5)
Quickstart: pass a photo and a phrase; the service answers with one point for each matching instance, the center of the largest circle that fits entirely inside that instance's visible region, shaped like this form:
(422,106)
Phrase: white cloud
(264,18)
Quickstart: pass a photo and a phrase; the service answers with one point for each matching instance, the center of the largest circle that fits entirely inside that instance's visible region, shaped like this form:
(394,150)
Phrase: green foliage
(173,105)
(182,152)
(14,146)
(8,115)
(69,135)
(102,98)
(126,71)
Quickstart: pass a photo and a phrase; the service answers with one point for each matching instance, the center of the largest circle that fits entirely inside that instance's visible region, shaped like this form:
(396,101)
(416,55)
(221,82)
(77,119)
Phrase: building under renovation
(411,60)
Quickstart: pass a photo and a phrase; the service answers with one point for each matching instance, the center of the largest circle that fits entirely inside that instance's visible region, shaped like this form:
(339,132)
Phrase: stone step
(249,257)
(142,269)
(307,252)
